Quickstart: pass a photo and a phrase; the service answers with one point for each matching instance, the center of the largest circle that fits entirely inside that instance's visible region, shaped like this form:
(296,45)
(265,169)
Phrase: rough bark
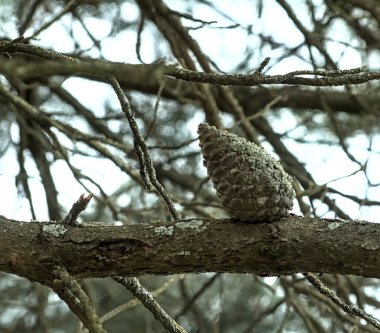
(293,244)
(147,78)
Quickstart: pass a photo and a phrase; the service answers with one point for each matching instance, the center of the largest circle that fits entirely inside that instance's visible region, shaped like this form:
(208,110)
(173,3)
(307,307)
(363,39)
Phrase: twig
(258,113)
(327,78)
(18,45)
(132,303)
(70,291)
(174,147)
(140,29)
(269,311)
(311,323)
(359,201)
(349,308)
(197,295)
(54,19)
(263,64)
(147,170)
(145,297)
(78,207)
(156,105)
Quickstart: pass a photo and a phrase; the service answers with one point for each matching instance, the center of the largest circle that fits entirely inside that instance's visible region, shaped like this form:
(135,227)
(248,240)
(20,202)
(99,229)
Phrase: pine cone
(251,184)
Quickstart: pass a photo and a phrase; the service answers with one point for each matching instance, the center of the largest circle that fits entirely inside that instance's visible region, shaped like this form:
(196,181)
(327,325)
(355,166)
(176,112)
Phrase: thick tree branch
(26,70)
(294,244)
(252,99)
(134,77)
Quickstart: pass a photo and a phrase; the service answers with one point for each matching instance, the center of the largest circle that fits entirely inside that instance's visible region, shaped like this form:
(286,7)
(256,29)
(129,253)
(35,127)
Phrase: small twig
(190,303)
(140,29)
(261,67)
(70,291)
(258,113)
(178,146)
(78,207)
(156,105)
(191,17)
(349,308)
(143,168)
(132,303)
(145,297)
(338,131)
(54,19)
(147,169)
(359,201)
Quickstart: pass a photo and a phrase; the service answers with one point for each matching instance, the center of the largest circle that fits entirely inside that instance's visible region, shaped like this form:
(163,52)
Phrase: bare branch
(349,308)
(72,293)
(136,301)
(147,170)
(146,298)
(120,71)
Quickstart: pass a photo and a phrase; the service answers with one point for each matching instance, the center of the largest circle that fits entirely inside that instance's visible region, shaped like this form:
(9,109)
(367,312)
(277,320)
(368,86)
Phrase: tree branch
(26,70)
(293,244)
(146,298)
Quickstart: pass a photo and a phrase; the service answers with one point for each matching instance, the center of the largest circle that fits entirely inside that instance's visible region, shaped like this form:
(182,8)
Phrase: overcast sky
(226,47)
